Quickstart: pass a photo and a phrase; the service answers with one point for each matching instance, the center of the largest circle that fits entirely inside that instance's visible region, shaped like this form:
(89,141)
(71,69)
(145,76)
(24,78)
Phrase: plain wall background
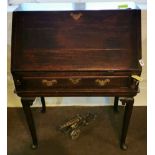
(140,99)
(14,2)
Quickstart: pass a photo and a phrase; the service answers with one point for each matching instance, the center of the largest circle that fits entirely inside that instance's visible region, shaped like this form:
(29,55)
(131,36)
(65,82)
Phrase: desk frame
(128,102)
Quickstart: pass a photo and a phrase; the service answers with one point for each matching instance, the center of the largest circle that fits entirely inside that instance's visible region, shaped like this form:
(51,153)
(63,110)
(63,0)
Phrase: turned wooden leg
(116,104)
(43,110)
(26,103)
(127,115)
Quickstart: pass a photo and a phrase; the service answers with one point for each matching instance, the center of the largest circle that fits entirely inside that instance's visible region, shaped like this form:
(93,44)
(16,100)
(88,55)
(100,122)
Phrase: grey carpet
(101,137)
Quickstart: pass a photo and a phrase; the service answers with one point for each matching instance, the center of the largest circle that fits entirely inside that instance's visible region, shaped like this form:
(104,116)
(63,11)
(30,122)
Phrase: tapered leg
(127,115)
(116,104)
(43,110)
(26,103)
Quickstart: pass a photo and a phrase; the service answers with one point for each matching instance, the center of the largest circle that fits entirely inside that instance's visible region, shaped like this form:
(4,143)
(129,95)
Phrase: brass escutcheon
(102,82)
(74,81)
(76,16)
(49,83)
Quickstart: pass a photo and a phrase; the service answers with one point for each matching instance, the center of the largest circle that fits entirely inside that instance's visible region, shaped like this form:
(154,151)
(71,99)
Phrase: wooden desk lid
(96,41)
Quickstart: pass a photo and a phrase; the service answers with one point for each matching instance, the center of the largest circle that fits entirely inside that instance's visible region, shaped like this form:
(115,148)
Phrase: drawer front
(47,83)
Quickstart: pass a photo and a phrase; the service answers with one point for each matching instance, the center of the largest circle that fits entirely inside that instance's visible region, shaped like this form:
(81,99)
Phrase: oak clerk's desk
(76,50)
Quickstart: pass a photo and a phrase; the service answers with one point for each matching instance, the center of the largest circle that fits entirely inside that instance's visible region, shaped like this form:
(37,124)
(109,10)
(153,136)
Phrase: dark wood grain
(26,103)
(127,115)
(51,50)
(43,110)
(116,104)
(98,41)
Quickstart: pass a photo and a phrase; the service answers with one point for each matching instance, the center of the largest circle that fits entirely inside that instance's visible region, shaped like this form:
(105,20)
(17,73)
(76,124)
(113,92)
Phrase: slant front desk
(82,49)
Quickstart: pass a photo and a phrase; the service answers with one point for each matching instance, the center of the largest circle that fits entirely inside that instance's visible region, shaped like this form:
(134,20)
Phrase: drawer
(55,83)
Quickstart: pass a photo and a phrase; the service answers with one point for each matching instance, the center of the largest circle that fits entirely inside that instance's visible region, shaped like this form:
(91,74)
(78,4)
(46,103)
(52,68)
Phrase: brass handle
(76,16)
(49,83)
(102,82)
(74,81)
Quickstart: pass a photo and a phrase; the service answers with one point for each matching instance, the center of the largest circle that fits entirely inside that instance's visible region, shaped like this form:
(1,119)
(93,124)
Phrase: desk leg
(43,110)
(127,115)
(116,104)
(26,103)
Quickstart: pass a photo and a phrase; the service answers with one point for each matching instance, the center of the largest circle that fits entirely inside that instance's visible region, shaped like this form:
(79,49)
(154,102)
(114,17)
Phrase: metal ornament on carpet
(74,125)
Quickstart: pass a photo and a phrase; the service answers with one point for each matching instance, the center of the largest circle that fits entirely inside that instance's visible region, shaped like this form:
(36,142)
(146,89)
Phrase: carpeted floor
(100,137)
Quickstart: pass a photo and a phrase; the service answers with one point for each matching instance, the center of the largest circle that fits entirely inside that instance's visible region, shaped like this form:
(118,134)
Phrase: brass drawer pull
(76,16)
(74,81)
(49,83)
(102,82)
